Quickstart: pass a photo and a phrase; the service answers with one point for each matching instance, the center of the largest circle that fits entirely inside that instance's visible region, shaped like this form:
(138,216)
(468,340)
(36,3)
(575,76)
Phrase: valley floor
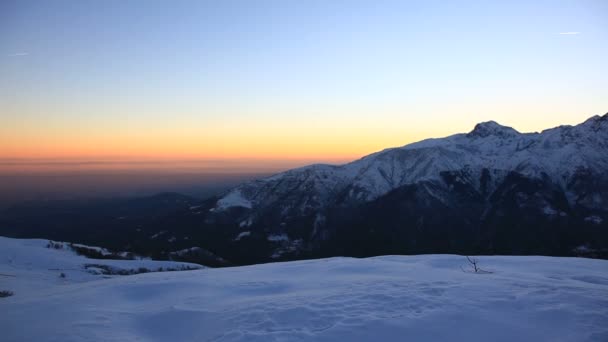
(398,298)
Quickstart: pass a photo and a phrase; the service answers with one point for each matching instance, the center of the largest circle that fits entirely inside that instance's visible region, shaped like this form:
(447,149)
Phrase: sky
(266,85)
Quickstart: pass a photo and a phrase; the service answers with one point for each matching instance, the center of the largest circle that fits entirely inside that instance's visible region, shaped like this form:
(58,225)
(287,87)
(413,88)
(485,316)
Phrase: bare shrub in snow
(474,264)
(55,245)
(5,293)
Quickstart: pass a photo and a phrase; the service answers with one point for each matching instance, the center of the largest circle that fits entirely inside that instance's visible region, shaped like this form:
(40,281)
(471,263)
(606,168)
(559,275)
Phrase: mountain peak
(484,129)
(596,123)
(597,118)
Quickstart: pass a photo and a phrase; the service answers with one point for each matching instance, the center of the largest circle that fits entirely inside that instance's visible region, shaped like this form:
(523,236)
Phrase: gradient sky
(287,80)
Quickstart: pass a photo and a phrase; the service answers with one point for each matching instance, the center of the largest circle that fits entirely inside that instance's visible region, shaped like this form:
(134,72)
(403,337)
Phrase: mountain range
(492,190)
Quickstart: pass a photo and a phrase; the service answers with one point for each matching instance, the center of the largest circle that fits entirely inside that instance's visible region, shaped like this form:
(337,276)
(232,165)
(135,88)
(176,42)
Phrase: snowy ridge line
(557,153)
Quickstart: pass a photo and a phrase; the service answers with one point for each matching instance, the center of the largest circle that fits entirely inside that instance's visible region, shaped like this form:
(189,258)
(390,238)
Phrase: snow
(28,267)
(242,235)
(548,210)
(233,199)
(557,152)
(391,298)
(101,250)
(185,251)
(594,219)
(158,234)
(277,237)
(246,223)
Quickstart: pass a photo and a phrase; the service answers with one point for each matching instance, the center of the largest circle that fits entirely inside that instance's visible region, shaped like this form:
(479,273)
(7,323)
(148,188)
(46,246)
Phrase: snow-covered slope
(33,266)
(391,298)
(557,153)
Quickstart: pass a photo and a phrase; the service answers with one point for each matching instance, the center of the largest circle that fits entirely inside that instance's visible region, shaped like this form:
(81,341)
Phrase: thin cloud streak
(18,54)
(570,33)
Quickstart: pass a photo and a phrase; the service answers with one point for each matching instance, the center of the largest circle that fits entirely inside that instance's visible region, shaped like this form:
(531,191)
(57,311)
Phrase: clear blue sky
(283,79)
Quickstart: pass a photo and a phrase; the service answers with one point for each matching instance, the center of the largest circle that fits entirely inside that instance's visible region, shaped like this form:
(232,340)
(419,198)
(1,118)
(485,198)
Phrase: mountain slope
(559,153)
(29,267)
(479,192)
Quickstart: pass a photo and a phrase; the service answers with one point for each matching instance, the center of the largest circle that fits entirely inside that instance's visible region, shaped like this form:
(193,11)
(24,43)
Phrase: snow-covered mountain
(490,191)
(558,153)
(389,298)
(466,187)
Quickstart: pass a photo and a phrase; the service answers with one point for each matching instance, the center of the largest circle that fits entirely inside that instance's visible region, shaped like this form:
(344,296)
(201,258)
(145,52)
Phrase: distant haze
(48,179)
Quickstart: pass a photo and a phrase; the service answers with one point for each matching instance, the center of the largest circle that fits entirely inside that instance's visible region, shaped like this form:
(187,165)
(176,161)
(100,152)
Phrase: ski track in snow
(418,298)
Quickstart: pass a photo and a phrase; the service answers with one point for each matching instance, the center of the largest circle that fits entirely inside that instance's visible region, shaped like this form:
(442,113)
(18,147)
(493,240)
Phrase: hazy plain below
(26,180)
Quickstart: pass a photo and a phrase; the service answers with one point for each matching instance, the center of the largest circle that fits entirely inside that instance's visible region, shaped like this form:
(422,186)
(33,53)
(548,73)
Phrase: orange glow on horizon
(260,144)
